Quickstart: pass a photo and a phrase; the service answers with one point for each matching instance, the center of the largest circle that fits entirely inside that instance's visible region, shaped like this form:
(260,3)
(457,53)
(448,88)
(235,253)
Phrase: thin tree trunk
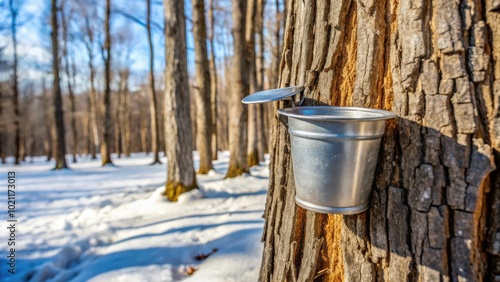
(53,132)
(118,119)
(123,113)
(143,130)
(60,153)
(238,114)
(108,123)
(90,143)
(48,122)
(155,137)
(69,76)
(203,88)
(434,203)
(14,10)
(277,41)
(213,80)
(93,96)
(93,108)
(260,116)
(180,171)
(252,147)
(22,150)
(126,109)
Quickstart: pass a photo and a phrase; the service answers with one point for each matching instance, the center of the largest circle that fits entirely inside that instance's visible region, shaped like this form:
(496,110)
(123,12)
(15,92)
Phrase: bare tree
(238,113)
(14,8)
(178,138)
(3,125)
(260,73)
(127,125)
(66,18)
(435,197)
(60,154)
(124,105)
(155,137)
(2,128)
(202,89)
(213,80)
(123,42)
(108,122)
(251,27)
(88,15)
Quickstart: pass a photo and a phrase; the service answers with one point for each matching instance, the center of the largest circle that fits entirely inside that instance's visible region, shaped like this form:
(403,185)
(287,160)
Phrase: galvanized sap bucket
(334,152)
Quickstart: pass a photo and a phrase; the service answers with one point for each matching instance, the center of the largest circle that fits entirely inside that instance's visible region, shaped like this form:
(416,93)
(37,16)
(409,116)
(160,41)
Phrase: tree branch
(137,20)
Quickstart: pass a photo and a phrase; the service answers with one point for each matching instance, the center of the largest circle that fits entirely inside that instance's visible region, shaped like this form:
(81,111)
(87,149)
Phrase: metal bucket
(334,154)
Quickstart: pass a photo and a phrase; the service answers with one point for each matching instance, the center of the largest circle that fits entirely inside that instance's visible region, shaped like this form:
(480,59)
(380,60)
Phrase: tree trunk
(213,81)
(48,122)
(60,152)
(22,150)
(435,203)
(108,123)
(259,25)
(93,96)
(252,146)
(144,134)
(88,123)
(123,112)
(69,78)
(238,113)
(277,44)
(126,106)
(155,137)
(180,171)
(14,11)
(203,88)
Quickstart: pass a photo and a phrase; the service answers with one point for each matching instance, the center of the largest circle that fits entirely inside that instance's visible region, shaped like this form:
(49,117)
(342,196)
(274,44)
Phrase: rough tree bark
(14,6)
(238,113)
(213,80)
(60,152)
(155,136)
(203,88)
(179,141)
(435,203)
(108,123)
(492,12)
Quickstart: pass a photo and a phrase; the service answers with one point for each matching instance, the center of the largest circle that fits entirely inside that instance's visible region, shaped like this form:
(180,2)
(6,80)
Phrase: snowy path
(112,224)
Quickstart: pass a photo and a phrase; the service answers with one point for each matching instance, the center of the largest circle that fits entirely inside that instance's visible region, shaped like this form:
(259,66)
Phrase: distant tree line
(91,109)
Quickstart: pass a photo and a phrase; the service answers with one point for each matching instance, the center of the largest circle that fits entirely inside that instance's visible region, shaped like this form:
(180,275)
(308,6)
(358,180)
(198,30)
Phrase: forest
(105,90)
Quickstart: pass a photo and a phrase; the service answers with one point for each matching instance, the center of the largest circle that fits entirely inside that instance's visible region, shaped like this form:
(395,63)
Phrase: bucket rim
(379,114)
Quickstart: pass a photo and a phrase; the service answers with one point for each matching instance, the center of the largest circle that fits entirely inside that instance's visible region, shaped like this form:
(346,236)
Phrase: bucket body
(334,155)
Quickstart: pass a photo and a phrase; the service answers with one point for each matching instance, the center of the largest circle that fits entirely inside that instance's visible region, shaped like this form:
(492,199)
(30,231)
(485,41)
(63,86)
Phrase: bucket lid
(272,95)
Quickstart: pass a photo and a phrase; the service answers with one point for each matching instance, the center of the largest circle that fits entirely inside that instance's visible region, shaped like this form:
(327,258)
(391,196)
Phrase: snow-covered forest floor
(113,224)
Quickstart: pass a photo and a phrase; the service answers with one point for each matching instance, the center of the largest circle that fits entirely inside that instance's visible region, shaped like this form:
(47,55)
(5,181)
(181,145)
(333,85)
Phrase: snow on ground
(112,224)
